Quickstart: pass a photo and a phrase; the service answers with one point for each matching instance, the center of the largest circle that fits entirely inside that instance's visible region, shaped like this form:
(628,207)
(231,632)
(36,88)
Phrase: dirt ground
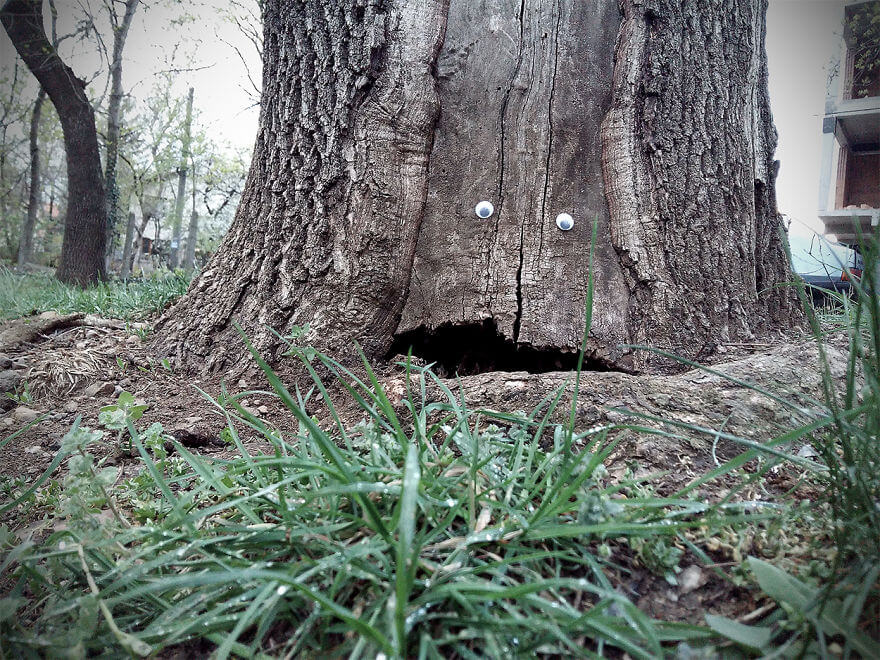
(71,367)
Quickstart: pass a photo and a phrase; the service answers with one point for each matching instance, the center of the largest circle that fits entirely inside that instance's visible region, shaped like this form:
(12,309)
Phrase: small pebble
(691,578)
(24,414)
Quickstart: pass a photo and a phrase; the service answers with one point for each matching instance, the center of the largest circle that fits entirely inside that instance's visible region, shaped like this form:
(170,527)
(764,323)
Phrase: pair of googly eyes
(485,210)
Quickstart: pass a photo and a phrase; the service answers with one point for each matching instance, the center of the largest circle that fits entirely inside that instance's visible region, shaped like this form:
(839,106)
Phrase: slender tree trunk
(114,110)
(82,253)
(125,269)
(138,253)
(649,116)
(191,241)
(192,234)
(181,183)
(26,246)
(26,240)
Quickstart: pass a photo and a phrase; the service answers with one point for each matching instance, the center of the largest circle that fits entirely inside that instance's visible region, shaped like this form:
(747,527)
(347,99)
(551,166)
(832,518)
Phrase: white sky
(801,41)
(801,36)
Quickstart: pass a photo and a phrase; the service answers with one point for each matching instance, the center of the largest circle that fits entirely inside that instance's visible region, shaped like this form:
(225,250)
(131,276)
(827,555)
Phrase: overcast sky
(801,35)
(801,41)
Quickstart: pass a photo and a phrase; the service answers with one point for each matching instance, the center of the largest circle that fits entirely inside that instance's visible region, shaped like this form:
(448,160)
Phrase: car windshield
(815,255)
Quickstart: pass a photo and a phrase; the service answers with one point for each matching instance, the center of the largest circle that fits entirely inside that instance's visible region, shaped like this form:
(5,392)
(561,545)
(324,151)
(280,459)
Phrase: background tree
(120,26)
(185,141)
(11,147)
(82,254)
(358,219)
(26,240)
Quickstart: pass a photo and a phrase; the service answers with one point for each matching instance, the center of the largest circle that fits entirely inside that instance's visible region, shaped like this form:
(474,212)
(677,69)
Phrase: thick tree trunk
(26,240)
(114,111)
(690,177)
(82,252)
(326,227)
(181,183)
(649,116)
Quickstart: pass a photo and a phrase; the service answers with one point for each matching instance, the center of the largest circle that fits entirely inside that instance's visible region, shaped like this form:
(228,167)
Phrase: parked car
(824,265)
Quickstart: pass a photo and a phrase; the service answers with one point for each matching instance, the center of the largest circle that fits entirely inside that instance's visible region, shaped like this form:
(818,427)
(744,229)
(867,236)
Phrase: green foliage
(843,594)
(26,294)
(863,38)
(806,621)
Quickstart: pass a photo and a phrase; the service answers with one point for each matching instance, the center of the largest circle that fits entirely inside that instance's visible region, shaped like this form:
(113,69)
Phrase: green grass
(470,533)
(433,530)
(26,294)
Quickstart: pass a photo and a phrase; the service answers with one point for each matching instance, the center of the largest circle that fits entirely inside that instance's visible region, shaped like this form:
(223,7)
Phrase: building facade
(849,187)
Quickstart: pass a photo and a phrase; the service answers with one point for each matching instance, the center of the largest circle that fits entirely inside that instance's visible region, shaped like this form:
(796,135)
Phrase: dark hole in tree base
(477,348)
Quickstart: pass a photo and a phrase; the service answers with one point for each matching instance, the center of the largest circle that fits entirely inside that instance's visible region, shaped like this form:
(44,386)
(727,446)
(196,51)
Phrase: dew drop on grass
(283,589)
(450,502)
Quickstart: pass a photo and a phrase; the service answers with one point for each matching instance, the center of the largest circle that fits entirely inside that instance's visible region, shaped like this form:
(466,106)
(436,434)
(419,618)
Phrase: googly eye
(484,210)
(564,221)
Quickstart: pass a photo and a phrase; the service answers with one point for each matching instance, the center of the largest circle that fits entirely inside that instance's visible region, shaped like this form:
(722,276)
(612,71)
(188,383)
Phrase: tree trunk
(138,253)
(82,252)
(26,240)
(358,218)
(181,183)
(192,237)
(114,110)
(125,269)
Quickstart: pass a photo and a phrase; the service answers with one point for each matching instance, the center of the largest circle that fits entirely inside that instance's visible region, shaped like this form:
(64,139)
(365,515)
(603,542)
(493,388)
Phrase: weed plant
(23,294)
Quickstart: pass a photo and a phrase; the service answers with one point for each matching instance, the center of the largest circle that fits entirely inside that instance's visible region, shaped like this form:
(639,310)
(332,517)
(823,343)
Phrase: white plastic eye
(564,221)
(484,210)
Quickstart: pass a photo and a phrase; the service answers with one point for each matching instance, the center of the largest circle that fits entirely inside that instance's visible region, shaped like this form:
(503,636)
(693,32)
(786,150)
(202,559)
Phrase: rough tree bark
(82,252)
(650,116)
